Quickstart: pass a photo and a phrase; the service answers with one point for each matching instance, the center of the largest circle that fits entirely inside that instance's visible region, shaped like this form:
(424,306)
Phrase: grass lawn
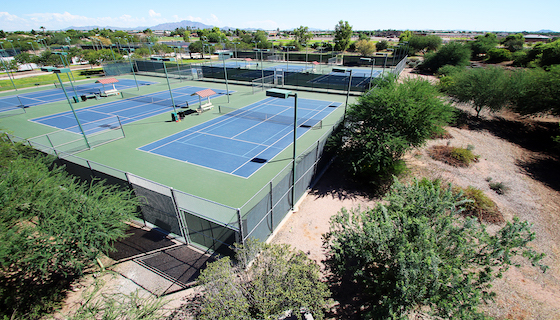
(47,78)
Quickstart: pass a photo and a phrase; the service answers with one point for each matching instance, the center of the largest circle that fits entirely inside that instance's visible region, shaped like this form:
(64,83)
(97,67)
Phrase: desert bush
(414,251)
(465,156)
(457,157)
(496,55)
(499,187)
(481,207)
(385,123)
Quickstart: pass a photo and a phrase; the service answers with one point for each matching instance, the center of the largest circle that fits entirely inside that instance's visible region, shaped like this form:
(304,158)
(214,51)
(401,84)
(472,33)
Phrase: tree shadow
(545,169)
(530,133)
(348,294)
(338,184)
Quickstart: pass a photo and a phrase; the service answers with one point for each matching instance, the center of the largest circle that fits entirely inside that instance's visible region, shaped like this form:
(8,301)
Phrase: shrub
(497,55)
(481,207)
(448,70)
(457,157)
(499,187)
(414,252)
(454,53)
(387,122)
(465,156)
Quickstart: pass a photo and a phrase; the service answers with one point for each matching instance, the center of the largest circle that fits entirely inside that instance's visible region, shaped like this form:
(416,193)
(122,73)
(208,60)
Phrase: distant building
(532,38)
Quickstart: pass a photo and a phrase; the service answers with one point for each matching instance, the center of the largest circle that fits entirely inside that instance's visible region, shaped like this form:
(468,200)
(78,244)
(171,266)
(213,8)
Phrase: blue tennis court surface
(234,64)
(53,95)
(360,77)
(242,141)
(127,109)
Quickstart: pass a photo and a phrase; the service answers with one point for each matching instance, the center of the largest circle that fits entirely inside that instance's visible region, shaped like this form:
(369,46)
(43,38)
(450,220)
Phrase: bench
(111,92)
(205,107)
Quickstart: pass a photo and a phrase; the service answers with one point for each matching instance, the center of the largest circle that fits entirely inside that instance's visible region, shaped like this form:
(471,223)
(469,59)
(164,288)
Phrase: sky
(474,15)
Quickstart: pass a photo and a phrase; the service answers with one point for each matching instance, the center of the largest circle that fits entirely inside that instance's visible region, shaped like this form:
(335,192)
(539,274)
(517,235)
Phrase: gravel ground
(524,292)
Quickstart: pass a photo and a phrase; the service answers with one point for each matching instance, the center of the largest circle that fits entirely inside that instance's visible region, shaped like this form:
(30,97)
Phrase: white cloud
(191,18)
(263,24)
(213,20)
(154,14)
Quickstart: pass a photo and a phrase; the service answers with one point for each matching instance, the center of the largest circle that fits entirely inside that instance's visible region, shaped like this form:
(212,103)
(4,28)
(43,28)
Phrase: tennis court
(129,109)
(360,77)
(242,141)
(234,64)
(31,99)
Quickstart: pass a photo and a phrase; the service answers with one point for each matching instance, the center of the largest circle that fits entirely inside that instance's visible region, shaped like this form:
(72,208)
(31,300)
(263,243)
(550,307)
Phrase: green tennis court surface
(242,141)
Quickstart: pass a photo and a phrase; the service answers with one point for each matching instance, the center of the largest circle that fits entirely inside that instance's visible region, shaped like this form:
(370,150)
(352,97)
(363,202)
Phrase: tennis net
(147,99)
(270,117)
(264,83)
(81,89)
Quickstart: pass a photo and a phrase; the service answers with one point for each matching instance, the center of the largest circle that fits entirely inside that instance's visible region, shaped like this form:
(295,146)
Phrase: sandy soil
(523,293)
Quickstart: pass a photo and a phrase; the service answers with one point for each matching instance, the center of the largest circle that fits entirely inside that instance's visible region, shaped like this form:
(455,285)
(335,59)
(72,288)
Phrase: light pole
(177,60)
(5,67)
(62,54)
(235,48)
(371,72)
(32,47)
(306,53)
(343,70)
(170,93)
(225,73)
(57,71)
(13,48)
(131,65)
(285,94)
(384,64)
(112,52)
(288,58)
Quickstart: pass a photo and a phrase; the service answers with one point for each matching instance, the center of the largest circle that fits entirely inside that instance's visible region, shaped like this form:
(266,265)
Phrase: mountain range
(197,25)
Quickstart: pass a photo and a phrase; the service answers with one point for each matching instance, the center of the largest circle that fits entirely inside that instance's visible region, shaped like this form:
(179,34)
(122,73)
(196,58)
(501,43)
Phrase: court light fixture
(285,94)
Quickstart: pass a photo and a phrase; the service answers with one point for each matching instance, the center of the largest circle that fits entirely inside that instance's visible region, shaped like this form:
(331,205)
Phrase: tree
(497,55)
(387,122)
(365,48)
(382,45)
(342,35)
(405,36)
(424,44)
(550,54)
(536,91)
(260,37)
(24,58)
(514,42)
(97,57)
(264,283)
(363,36)
(453,53)
(302,35)
(484,88)
(414,253)
(482,44)
(52,227)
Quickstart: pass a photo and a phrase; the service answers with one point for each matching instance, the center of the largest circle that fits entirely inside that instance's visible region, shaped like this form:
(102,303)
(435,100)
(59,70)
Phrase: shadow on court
(156,263)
